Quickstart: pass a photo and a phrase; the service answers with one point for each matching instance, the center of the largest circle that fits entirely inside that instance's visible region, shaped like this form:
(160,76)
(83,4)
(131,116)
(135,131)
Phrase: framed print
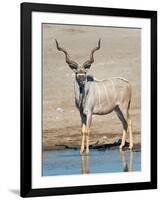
(88,99)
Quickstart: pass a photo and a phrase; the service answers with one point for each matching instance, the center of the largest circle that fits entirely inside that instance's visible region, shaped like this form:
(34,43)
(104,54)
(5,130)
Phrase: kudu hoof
(81,152)
(130,148)
(120,147)
(87,152)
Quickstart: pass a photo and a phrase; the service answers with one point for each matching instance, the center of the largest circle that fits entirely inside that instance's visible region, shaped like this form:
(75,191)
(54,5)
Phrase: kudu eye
(87,66)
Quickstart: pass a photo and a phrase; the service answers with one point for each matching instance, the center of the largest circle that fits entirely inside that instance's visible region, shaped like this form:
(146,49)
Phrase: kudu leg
(83,138)
(130,132)
(122,114)
(83,132)
(123,139)
(87,141)
(88,125)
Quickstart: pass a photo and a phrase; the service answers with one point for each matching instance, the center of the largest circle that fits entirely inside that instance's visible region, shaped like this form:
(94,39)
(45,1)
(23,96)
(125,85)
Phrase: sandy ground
(119,56)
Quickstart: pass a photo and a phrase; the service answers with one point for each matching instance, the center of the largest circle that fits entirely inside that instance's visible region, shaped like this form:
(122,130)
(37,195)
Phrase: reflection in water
(85,164)
(127,160)
(69,162)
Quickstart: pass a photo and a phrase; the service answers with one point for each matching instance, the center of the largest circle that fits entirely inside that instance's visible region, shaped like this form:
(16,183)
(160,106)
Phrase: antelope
(99,97)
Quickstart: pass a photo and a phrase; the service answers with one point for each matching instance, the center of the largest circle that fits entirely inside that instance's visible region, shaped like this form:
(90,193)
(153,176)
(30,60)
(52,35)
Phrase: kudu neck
(81,92)
(81,85)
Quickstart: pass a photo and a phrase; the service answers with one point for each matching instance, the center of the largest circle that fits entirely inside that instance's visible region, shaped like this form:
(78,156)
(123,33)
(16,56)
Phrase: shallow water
(68,162)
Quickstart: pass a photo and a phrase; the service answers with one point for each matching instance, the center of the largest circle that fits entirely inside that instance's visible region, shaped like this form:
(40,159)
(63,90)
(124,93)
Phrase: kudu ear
(88,63)
(72,64)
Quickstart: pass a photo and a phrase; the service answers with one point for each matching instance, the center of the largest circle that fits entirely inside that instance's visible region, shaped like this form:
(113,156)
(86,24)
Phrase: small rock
(117,140)
(59,109)
(73,75)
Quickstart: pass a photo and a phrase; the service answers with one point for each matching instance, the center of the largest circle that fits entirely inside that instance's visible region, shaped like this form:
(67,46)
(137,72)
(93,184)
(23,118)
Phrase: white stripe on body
(107,96)
(112,83)
(99,101)
(114,89)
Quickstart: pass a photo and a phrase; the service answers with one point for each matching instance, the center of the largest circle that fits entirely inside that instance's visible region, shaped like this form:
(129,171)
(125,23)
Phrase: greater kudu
(99,98)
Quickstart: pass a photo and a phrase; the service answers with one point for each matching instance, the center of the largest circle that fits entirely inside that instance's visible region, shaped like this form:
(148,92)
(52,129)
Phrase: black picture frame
(26,99)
